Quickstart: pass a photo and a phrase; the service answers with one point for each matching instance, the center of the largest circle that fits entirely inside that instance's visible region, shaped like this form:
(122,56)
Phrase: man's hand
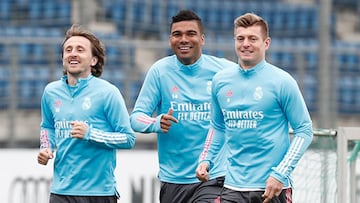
(166,120)
(202,172)
(273,189)
(78,129)
(44,156)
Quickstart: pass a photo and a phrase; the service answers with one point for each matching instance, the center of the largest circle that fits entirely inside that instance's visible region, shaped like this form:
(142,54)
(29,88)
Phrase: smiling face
(186,40)
(77,57)
(250,45)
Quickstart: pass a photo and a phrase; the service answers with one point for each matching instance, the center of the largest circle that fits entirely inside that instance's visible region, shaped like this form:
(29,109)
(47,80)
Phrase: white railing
(346,180)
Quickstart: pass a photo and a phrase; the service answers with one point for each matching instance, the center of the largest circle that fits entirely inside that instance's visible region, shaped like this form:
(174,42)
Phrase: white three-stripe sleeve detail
(292,156)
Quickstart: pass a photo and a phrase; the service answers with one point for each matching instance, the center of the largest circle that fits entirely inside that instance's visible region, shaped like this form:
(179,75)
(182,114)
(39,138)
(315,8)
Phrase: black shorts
(202,192)
(232,196)
(55,198)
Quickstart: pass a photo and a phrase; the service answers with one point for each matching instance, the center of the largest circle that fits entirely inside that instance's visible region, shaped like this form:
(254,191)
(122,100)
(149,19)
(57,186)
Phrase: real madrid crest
(208,87)
(258,94)
(86,105)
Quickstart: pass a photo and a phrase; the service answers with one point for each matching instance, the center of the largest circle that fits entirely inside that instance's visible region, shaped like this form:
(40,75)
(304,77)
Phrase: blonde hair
(250,19)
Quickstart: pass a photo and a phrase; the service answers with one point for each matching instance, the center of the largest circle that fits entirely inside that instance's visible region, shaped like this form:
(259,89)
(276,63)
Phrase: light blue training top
(85,167)
(252,111)
(187,90)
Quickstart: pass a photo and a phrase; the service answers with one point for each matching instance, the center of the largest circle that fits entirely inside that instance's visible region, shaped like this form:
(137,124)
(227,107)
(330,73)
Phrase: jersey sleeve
(47,129)
(123,137)
(148,99)
(212,147)
(216,135)
(298,115)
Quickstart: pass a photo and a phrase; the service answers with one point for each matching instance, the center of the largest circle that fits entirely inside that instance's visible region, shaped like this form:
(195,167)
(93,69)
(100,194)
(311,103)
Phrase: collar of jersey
(81,81)
(254,69)
(193,66)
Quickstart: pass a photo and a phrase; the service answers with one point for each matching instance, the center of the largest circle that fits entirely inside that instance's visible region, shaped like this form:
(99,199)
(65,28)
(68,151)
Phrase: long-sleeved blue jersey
(187,90)
(252,111)
(85,166)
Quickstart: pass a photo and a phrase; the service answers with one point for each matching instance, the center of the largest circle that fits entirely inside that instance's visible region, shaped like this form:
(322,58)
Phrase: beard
(75,72)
